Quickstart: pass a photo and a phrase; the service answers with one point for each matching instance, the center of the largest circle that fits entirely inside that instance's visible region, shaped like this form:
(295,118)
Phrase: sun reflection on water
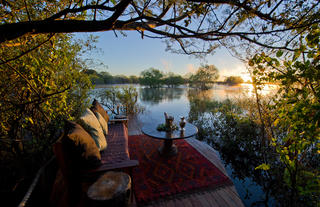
(268,89)
(245,90)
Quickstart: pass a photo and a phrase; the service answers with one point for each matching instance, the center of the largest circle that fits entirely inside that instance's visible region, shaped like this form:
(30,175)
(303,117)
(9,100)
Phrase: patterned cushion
(80,146)
(91,124)
(96,107)
(103,123)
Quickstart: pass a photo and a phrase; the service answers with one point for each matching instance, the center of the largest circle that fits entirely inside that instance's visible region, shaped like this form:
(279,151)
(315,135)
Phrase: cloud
(167,65)
(191,68)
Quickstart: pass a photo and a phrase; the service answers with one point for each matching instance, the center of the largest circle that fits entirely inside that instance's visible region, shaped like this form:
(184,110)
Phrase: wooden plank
(132,203)
(134,126)
(209,199)
(234,198)
(161,204)
(178,202)
(223,193)
(203,200)
(185,202)
(194,201)
(218,199)
(225,198)
(232,190)
(170,203)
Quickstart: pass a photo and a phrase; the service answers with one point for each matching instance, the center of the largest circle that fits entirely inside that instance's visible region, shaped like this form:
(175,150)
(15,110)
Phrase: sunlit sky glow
(130,55)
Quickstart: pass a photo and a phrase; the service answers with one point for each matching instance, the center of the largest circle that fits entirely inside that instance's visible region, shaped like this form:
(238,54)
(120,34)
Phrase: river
(176,102)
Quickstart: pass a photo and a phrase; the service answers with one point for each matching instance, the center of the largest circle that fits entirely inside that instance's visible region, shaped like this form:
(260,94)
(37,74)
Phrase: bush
(120,100)
(39,90)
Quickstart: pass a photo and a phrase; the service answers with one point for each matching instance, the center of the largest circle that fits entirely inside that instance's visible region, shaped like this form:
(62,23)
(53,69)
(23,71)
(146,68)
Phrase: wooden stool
(111,189)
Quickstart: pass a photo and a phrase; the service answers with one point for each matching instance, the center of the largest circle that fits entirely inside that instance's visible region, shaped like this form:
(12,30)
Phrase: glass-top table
(169,148)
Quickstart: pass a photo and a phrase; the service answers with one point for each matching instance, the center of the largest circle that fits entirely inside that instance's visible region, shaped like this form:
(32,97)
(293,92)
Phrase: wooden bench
(114,157)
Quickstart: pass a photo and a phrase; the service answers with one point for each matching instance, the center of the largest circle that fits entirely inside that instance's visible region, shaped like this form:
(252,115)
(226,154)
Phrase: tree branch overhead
(262,23)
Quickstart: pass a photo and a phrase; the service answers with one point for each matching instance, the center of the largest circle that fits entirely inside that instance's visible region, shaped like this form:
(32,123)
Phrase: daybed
(82,158)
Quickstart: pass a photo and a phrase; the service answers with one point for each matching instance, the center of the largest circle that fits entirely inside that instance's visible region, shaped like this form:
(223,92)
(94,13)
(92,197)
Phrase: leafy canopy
(192,27)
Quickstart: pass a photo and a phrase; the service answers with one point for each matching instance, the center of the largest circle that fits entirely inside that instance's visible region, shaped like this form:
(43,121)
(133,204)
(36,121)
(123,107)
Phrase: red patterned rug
(157,176)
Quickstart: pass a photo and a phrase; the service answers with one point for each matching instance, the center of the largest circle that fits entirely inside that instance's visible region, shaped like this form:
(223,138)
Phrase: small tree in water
(233,80)
(204,77)
(121,100)
(151,78)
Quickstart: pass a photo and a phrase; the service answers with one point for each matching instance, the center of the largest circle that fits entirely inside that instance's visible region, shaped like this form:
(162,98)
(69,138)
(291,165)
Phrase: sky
(130,55)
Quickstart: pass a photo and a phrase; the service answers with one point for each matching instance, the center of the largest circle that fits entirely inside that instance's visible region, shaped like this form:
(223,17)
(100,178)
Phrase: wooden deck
(222,197)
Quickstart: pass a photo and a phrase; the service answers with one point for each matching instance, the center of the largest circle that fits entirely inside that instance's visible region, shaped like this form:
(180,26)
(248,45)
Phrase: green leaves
(295,127)
(29,119)
(279,53)
(263,167)
(123,99)
(204,77)
(151,77)
(41,87)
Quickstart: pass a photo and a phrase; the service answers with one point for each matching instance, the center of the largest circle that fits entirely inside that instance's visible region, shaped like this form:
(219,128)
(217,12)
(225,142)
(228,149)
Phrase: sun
(246,77)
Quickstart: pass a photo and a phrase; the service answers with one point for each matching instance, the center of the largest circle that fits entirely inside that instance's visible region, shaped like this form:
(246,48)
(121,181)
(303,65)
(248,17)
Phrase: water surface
(176,102)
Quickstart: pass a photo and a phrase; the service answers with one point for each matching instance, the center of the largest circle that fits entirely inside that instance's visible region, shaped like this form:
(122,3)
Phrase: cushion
(103,123)
(80,146)
(91,124)
(96,107)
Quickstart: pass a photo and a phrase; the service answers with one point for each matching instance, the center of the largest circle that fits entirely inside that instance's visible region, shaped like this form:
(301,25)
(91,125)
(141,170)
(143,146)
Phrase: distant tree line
(203,78)
(152,78)
(155,78)
(106,78)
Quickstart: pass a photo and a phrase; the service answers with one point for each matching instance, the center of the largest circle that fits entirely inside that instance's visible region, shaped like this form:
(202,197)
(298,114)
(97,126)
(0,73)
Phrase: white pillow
(91,124)
(103,123)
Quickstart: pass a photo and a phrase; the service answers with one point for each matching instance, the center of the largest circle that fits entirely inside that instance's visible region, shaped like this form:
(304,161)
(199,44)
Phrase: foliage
(173,80)
(234,129)
(106,78)
(170,79)
(233,80)
(95,78)
(191,27)
(38,91)
(290,122)
(294,129)
(152,78)
(122,79)
(42,84)
(134,79)
(204,76)
(121,100)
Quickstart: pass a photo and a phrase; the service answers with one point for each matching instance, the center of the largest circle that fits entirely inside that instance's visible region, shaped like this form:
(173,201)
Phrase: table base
(168,148)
